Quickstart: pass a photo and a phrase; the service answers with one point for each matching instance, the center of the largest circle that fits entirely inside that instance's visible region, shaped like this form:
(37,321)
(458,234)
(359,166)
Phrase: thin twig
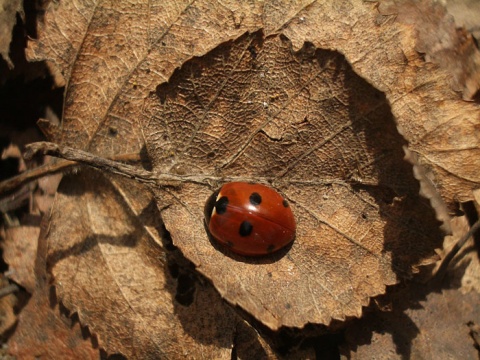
(442,270)
(15,199)
(34,174)
(57,167)
(87,158)
(144,176)
(9,289)
(111,166)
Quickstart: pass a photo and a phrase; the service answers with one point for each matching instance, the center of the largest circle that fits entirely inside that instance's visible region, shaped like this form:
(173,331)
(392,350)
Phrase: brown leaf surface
(43,332)
(19,252)
(304,120)
(436,327)
(433,320)
(109,270)
(8,316)
(440,127)
(42,329)
(8,17)
(107,57)
(442,42)
(466,14)
(447,138)
(115,54)
(253,109)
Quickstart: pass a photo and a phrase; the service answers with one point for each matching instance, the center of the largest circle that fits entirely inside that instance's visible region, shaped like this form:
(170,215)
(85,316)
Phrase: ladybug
(250,219)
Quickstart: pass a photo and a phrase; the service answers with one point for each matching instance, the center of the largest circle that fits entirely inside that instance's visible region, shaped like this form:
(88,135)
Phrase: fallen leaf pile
(325,102)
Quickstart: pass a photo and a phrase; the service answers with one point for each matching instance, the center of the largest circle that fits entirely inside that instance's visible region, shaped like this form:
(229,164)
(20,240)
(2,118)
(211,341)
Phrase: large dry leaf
(447,139)
(113,54)
(107,62)
(254,109)
(438,125)
(327,139)
(109,270)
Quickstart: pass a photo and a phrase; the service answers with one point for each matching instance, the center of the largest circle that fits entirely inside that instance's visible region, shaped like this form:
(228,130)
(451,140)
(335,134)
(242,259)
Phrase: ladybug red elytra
(250,219)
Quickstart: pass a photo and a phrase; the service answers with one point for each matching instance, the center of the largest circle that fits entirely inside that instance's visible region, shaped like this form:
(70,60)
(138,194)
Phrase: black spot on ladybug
(245,228)
(255,199)
(285,203)
(270,248)
(221,205)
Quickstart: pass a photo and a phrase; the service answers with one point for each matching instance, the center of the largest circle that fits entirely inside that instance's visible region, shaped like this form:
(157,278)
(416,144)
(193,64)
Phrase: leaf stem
(115,167)
(86,158)
(144,176)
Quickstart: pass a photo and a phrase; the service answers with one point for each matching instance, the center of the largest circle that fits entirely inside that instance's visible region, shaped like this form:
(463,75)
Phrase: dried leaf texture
(8,18)
(255,109)
(113,54)
(448,142)
(384,48)
(110,271)
(419,327)
(311,125)
(19,252)
(441,40)
(44,332)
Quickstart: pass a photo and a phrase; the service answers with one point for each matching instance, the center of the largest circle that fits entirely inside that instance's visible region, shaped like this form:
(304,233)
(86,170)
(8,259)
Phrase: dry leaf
(433,320)
(110,271)
(304,120)
(19,252)
(466,14)
(125,51)
(8,317)
(8,18)
(441,41)
(254,109)
(438,125)
(423,325)
(44,195)
(42,331)
(465,266)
